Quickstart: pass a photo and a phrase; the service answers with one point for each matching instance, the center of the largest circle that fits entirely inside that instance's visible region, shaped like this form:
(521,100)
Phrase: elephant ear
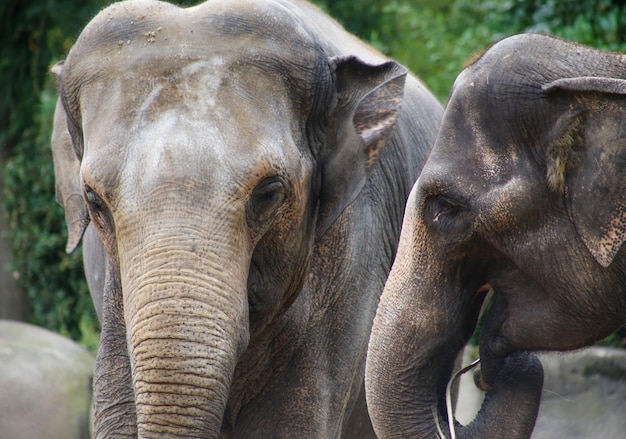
(596,187)
(369,100)
(67,175)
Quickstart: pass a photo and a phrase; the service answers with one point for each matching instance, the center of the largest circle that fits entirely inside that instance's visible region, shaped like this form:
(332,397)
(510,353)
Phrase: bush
(37,34)
(52,280)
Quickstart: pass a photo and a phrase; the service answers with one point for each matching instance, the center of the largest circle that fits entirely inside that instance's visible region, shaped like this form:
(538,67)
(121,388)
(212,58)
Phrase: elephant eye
(98,209)
(265,200)
(442,208)
(450,220)
(92,198)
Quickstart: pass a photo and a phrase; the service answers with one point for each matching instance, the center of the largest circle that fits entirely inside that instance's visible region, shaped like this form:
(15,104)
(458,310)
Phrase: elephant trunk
(421,325)
(187,319)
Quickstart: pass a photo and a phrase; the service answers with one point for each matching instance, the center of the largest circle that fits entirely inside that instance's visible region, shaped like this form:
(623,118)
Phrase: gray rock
(45,384)
(584,395)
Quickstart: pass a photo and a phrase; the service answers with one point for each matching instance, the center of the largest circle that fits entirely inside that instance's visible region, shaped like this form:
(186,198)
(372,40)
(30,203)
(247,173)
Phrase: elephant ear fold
(369,100)
(67,176)
(596,187)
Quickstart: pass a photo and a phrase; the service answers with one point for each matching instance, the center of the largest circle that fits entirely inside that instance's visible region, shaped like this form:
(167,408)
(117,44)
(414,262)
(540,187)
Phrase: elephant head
(213,146)
(522,195)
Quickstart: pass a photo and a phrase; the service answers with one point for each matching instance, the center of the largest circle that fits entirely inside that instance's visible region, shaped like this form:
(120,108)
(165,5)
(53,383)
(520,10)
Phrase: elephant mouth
(480,296)
(493,346)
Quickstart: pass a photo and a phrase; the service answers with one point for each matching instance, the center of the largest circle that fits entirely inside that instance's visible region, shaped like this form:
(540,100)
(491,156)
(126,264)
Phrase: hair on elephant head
(522,195)
(245,165)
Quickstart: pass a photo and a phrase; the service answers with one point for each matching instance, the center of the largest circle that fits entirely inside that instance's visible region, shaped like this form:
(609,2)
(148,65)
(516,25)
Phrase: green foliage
(34,34)
(53,281)
(434,38)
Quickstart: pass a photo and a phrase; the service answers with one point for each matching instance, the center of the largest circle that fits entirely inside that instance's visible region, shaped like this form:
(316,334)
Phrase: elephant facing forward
(522,195)
(245,165)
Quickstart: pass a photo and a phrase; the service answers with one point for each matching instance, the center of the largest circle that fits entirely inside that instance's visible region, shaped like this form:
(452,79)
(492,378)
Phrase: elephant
(519,209)
(46,384)
(245,165)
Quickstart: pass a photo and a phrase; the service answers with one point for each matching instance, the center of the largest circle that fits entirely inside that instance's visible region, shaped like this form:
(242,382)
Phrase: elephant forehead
(172,140)
(206,92)
(465,155)
(147,43)
(197,108)
(479,135)
(137,31)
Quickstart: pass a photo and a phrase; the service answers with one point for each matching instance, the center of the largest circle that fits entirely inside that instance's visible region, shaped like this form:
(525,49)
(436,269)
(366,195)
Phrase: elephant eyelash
(449,219)
(438,215)
(98,209)
(265,200)
(92,198)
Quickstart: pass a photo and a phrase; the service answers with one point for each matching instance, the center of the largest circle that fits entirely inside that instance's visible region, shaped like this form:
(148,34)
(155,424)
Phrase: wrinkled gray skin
(523,194)
(246,166)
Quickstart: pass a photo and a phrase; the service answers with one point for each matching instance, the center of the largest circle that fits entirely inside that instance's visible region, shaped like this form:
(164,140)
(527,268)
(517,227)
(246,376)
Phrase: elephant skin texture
(45,382)
(519,210)
(245,167)
(583,396)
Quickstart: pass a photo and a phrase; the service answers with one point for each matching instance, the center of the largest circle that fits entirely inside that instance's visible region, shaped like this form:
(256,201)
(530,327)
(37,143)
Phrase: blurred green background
(434,38)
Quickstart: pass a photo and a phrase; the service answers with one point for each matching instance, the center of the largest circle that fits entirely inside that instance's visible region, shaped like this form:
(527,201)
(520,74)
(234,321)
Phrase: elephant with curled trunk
(522,195)
(245,165)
